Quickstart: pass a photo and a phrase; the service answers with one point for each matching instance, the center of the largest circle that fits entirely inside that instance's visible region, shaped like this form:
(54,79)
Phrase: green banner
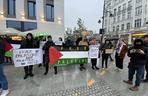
(70,61)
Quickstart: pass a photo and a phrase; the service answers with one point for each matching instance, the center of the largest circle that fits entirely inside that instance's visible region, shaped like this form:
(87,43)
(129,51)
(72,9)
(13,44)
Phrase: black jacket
(2,51)
(106,46)
(136,58)
(146,47)
(27,44)
(47,45)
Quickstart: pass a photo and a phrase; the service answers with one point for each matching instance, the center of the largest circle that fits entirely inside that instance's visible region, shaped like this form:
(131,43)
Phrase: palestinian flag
(71,56)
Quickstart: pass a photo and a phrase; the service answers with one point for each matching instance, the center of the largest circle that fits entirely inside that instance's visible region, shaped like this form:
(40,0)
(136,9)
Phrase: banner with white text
(26,57)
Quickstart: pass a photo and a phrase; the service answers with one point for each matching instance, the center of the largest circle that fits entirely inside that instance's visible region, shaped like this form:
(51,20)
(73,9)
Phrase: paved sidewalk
(69,78)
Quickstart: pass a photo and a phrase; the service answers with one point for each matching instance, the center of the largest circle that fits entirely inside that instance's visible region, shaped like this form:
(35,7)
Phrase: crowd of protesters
(138,55)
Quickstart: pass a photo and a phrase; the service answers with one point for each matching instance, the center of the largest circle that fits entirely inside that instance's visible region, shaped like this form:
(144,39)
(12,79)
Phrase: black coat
(27,44)
(2,51)
(136,58)
(106,46)
(46,47)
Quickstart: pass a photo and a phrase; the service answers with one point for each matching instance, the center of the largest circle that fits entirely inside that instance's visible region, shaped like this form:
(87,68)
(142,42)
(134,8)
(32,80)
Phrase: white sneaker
(5,93)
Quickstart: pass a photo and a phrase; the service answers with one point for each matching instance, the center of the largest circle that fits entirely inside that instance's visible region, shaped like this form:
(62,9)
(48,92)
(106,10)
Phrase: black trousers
(28,69)
(105,59)
(94,62)
(46,67)
(81,65)
(119,61)
(146,69)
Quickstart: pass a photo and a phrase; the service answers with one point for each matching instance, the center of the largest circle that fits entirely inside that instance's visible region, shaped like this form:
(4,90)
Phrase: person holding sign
(28,43)
(94,59)
(121,50)
(107,50)
(138,58)
(83,42)
(46,47)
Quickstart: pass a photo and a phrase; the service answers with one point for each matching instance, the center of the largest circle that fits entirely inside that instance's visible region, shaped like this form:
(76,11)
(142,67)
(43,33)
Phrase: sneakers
(128,82)
(135,88)
(5,93)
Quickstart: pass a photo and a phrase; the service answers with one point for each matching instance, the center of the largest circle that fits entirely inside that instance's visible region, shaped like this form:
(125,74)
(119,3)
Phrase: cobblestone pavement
(70,81)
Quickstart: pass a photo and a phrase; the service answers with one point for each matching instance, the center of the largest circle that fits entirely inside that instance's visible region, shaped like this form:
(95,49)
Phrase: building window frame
(51,18)
(13,14)
(34,9)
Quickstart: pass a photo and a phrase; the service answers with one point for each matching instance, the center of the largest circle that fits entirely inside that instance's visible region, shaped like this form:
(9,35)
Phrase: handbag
(109,51)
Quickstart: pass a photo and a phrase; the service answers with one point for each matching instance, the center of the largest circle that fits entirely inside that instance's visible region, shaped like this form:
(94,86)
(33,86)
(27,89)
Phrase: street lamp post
(102,30)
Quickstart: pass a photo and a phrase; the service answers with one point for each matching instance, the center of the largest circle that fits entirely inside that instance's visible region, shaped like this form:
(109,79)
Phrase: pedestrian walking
(121,50)
(137,54)
(4,91)
(28,43)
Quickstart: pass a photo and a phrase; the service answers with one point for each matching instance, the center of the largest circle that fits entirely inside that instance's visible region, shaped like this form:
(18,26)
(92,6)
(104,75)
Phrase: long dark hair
(29,34)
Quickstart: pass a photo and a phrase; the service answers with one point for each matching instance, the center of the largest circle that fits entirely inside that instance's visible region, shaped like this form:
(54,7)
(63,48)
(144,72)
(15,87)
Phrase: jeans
(139,73)
(3,80)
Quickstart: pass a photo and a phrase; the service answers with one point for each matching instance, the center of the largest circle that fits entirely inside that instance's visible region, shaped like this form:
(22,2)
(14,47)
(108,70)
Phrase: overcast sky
(89,10)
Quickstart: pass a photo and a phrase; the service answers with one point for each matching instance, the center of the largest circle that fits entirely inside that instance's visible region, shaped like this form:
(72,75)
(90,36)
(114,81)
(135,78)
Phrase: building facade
(35,16)
(129,18)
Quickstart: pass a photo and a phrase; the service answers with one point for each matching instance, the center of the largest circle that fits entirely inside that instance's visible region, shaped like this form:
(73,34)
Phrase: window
(128,26)
(129,6)
(138,1)
(11,8)
(113,28)
(122,27)
(124,6)
(21,25)
(123,16)
(49,10)
(128,14)
(13,24)
(117,28)
(119,10)
(137,23)
(115,12)
(31,9)
(138,11)
(29,26)
(118,18)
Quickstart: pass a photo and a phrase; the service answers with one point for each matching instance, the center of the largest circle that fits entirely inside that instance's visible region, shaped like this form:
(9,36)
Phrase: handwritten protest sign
(26,57)
(93,51)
